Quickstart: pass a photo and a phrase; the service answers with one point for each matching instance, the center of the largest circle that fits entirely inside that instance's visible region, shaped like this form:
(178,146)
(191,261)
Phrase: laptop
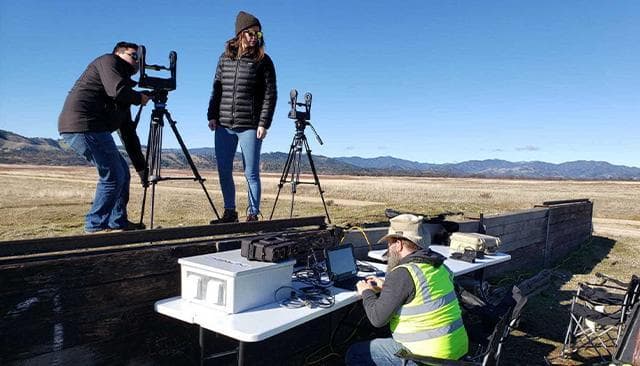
(342,268)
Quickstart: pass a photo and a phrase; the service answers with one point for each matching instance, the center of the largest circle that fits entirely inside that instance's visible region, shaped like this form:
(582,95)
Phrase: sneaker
(130,226)
(252,217)
(103,231)
(229,215)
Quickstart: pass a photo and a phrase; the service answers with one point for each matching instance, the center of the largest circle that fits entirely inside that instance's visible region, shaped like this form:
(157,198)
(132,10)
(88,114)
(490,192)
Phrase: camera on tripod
(159,89)
(294,113)
(299,143)
(157,85)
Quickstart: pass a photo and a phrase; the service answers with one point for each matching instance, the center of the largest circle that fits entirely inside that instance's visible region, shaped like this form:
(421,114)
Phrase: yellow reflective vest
(431,324)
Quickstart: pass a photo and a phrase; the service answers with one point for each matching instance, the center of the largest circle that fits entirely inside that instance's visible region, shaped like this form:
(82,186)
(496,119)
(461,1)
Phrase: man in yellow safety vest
(417,300)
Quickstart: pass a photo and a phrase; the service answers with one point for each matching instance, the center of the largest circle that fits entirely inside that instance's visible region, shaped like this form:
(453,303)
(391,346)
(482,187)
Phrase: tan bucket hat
(410,227)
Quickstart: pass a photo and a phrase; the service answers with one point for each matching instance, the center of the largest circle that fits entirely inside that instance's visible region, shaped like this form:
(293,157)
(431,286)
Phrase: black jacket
(244,93)
(398,289)
(100,101)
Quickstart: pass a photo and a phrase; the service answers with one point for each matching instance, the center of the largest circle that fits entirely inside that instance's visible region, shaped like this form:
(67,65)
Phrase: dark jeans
(109,208)
(227,141)
(376,352)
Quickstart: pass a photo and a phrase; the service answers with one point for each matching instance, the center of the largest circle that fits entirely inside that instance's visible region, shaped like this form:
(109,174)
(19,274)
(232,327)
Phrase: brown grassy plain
(39,201)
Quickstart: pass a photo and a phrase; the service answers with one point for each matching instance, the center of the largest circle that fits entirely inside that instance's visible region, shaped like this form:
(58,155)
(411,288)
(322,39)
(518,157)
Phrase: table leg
(241,353)
(479,276)
(201,343)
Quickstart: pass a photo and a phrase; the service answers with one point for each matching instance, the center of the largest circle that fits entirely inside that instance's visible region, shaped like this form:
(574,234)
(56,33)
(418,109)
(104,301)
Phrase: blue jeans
(379,351)
(109,208)
(226,141)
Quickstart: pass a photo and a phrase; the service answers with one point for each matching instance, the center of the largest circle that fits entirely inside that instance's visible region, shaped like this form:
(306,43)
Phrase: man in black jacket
(98,104)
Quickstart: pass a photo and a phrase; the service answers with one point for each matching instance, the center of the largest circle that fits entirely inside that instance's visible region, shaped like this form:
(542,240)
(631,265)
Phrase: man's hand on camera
(143,177)
(213,124)
(144,98)
(261,133)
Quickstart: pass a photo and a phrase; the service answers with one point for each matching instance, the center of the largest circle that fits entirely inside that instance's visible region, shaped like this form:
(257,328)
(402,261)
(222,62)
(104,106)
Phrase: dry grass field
(39,201)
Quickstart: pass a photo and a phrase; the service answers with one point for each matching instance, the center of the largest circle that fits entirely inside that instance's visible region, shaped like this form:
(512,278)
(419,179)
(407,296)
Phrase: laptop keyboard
(348,283)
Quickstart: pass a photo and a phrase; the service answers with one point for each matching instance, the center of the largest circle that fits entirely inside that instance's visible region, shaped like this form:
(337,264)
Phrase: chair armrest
(407,355)
(610,279)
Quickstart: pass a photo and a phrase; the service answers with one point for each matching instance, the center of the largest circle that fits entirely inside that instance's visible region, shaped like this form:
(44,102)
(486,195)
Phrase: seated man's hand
(363,285)
(376,283)
(371,283)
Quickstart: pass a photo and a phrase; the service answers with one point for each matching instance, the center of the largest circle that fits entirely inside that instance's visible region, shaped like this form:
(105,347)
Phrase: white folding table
(458,267)
(266,321)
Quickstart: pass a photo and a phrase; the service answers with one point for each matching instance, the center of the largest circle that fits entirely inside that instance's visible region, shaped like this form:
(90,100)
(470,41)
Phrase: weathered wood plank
(559,252)
(570,242)
(560,232)
(166,342)
(84,271)
(123,264)
(517,216)
(526,258)
(64,243)
(97,299)
(567,218)
(561,202)
(44,335)
(507,229)
(570,208)
(514,241)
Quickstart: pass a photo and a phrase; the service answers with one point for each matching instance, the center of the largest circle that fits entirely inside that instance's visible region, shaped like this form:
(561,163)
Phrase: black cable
(311,296)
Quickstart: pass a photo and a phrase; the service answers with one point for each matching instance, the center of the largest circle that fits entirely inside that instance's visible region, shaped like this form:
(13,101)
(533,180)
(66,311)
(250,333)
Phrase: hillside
(16,149)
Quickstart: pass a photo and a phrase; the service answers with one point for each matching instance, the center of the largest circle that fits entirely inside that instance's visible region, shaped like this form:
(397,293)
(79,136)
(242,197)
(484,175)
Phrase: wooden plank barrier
(96,307)
(89,299)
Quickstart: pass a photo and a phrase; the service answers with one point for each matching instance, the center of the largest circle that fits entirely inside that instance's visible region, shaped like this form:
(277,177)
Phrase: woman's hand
(213,124)
(261,133)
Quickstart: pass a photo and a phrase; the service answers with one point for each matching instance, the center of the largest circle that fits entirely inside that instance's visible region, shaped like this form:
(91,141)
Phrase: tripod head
(158,96)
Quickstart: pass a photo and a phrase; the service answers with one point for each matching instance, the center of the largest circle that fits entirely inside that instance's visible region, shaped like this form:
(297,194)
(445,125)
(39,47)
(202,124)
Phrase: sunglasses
(254,34)
(133,55)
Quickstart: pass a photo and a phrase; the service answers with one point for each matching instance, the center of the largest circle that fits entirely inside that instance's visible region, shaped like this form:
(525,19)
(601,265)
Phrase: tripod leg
(144,198)
(295,176)
(154,159)
(147,158)
(315,178)
(187,155)
(283,176)
(153,204)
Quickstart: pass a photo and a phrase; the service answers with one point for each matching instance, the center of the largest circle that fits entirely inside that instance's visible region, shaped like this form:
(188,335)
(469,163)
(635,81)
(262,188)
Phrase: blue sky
(428,81)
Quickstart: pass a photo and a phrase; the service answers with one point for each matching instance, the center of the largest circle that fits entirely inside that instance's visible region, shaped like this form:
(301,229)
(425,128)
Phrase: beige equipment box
(479,242)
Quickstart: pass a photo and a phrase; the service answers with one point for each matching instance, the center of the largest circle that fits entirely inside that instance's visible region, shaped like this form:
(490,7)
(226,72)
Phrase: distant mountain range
(16,149)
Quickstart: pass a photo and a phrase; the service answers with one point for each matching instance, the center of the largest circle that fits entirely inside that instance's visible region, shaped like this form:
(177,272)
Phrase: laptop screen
(340,262)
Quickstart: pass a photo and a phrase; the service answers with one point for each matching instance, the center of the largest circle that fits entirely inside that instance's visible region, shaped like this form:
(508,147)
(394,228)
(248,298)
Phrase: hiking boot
(252,217)
(228,216)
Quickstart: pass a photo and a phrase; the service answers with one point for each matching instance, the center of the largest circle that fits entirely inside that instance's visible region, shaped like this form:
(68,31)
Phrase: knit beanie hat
(245,20)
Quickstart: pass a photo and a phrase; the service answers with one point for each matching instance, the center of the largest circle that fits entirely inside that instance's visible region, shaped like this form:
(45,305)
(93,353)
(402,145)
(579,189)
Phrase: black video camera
(296,114)
(155,83)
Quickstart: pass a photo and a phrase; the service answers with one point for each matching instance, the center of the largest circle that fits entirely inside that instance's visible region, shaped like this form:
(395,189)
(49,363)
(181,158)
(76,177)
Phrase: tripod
(293,160)
(154,154)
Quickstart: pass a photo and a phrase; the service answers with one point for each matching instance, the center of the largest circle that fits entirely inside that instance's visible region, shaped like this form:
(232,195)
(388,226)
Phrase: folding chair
(484,354)
(628,351)
(598,313)
(481,351)
(514,320)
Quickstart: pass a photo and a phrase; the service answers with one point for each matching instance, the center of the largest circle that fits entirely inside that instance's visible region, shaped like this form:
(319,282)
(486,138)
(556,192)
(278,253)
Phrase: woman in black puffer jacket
(241,109)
